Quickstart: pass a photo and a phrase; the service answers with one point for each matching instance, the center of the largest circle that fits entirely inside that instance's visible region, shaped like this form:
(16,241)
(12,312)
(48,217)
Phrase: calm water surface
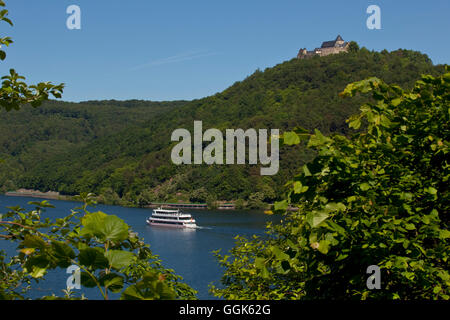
(188,252)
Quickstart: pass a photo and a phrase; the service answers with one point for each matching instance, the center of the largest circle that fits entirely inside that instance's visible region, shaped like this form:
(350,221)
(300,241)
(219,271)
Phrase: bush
(380,198)
(199,195)
(255,201)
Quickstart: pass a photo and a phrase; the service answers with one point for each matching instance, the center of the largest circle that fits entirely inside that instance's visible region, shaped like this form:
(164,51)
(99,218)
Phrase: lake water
(188,252)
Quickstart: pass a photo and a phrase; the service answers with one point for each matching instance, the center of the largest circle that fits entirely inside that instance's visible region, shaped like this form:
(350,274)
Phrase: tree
(353,46)
(199,195)
(255,201)
(379,197)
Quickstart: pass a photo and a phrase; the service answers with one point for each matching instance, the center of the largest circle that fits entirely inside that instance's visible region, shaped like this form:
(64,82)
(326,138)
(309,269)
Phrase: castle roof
(330,44)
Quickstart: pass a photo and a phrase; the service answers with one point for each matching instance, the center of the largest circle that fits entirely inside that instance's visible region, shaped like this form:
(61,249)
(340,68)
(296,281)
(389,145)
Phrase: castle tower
(339,41)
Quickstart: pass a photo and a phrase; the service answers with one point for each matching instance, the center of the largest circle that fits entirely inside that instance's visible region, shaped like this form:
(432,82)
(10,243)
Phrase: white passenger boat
(171,218)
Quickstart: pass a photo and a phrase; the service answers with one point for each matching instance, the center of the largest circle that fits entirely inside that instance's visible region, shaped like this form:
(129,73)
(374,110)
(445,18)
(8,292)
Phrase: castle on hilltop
(328,47)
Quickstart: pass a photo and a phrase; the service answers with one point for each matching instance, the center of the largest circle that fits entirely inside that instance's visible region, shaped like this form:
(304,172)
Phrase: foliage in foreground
(380,198)
(110,256)
(14,92)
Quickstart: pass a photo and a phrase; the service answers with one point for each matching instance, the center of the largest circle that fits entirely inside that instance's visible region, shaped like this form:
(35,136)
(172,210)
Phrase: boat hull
(171,225)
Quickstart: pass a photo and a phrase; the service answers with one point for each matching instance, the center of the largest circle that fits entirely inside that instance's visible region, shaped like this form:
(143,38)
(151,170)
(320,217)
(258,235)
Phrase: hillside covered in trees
(121,150)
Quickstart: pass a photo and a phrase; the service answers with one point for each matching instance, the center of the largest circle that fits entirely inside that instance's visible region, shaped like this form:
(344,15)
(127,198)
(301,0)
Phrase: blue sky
(169,50)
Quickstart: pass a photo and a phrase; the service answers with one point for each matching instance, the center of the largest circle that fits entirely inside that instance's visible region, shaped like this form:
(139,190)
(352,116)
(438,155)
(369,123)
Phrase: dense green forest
(31,135)
(121,150)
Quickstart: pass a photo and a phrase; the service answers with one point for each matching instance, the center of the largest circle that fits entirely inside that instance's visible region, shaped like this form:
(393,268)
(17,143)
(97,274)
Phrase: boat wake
(200,227)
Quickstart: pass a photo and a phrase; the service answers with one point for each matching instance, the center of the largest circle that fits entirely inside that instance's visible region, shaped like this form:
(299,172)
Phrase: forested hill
(31,135)
(122,151)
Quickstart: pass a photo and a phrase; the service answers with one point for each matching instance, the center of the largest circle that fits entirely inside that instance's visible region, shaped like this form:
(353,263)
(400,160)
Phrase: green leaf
(299,188)
(86,280)
(93,257)
(63,253)
(259,262)
(106,227)
(132,293)
(333,206)
(280,205)
(444,234)
(341,257)
(385,122)
(152,286)
(279,254)
(364,186)
(265,273)
(92,223)
(114,229)
(334,226)
(37,266)
(354,122)
(112,281)
(431,190)
(38,272)
(291,138)
(324,246)
(318,139)
(410,226)
(316,218)
(33,241)
(119,259)
(306,171)
(93,219)
(396,102)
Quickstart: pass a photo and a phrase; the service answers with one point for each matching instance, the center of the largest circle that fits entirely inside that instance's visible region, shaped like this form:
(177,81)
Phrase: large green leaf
(87,280)
(114,229)
(315,218)
(119,259)
(112,281)
(93,219)
(92,223)
(34,241)
(132,293)
(37,265)
(93,257)
(63,253)
(105,227)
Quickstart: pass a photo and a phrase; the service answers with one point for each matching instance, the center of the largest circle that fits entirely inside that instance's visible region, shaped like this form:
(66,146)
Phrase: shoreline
(53,195)
(42,195)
